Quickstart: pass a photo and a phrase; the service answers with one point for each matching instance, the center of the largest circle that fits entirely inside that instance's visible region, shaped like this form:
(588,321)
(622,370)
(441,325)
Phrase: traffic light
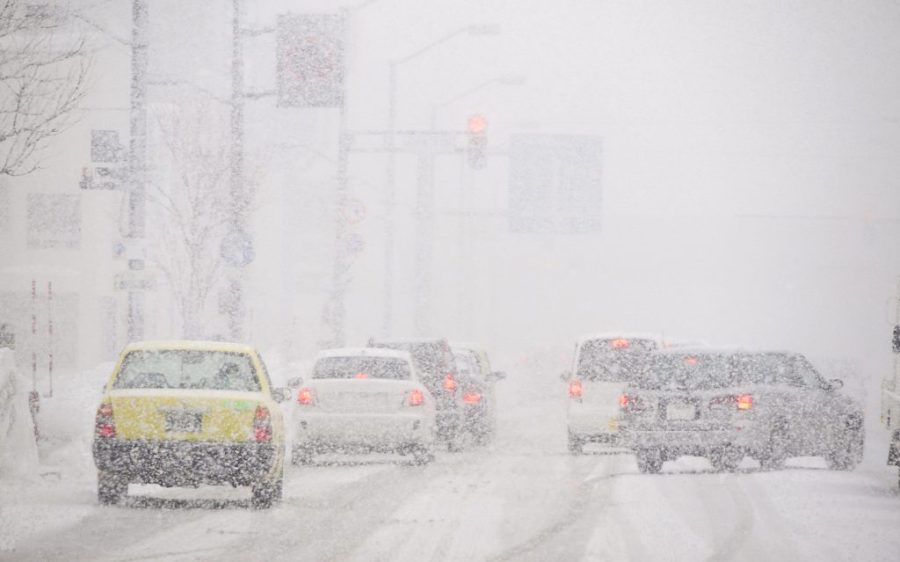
(476,151)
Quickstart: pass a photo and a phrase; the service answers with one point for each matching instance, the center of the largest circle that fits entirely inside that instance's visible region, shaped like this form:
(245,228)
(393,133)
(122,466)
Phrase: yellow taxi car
(185,413)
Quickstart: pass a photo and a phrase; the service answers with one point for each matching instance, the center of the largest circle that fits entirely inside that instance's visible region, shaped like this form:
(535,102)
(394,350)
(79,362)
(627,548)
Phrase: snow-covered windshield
(362,368)
(213,370)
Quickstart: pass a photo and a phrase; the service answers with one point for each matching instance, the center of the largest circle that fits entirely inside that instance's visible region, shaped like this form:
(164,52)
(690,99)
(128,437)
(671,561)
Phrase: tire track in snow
(583,498)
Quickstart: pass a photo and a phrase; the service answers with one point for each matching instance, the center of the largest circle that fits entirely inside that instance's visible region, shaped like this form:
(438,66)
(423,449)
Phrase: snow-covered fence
(18,450)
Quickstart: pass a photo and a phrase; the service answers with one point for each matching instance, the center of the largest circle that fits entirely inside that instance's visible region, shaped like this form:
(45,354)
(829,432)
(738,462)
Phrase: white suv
(603,366)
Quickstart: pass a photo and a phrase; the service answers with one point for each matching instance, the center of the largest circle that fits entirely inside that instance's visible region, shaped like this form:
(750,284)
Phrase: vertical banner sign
(310,60)
(554,184)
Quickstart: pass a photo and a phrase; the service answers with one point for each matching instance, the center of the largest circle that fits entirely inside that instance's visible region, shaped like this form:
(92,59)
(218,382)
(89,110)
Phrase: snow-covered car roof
(733,350)
(190,345)
(408,340)
(365,352)
(623,335)
(467,346)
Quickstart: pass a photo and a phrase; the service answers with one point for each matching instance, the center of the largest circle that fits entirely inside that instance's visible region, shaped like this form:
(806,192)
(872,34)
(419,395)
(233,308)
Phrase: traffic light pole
(137,197)
(235,289)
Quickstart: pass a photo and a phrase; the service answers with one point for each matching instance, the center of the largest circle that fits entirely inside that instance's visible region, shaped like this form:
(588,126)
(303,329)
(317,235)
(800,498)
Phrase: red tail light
(306,397)
(620,343)
(472,397)
(624,400)
(575,389)
(744,401)
(361,375)
(450,383)
(415,397)
(105,426)
(262,424)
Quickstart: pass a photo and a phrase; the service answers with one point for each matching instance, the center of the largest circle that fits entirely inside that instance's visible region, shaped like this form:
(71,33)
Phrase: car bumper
(382,432)
(594,426)
(695,441)
(183,463)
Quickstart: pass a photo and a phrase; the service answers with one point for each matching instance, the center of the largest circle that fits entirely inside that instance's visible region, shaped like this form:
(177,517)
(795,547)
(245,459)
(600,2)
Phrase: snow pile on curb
(18,450)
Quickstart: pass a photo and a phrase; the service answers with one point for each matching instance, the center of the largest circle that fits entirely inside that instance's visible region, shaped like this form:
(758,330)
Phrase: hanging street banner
(310,59)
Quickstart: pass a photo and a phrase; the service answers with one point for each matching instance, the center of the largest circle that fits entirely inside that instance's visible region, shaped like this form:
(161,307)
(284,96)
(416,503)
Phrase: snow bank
(18,450)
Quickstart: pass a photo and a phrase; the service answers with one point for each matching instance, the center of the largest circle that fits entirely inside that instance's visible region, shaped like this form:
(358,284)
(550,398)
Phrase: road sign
(353,211)
(310,59)
(353,243)
(237,249)
(554,184)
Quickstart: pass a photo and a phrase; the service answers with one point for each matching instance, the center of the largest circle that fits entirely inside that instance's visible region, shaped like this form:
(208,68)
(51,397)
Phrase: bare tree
(43,71)
(191,210)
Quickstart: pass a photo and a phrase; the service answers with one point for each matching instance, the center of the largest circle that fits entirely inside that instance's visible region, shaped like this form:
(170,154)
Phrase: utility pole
(137,197)
(235,291)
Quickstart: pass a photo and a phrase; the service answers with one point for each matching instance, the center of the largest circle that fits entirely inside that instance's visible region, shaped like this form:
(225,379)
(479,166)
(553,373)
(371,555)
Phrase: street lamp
(478,30)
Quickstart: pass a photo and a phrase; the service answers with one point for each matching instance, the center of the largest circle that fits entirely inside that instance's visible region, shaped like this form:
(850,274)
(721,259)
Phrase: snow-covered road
(524,498)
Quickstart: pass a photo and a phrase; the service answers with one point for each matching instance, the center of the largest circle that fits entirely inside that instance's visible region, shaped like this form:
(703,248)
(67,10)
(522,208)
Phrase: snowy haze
(749,196)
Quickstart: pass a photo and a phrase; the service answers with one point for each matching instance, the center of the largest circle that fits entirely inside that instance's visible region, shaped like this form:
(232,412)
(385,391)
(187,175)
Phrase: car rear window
(194,369)
(362,368)
(686,372)
(613,359)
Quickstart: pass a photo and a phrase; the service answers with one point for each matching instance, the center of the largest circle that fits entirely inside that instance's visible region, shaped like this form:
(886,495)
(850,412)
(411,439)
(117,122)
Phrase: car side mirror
(565,376)
(282,394)
(295,382)
(495,376)
(835,384)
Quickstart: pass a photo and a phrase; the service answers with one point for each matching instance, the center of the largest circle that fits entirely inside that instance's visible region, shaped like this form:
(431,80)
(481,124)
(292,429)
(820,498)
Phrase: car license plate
(184,422)
(681,411)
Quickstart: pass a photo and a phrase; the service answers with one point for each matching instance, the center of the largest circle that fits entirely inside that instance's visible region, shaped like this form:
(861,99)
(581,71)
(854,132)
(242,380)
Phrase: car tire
(848,454)
(776,452)
(111,488)
(422,455)
(266,493)
(576,444)
(649,462)
(726,460)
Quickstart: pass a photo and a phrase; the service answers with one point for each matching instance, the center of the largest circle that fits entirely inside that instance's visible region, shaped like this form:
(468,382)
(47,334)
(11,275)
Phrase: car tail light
(744,401)
(620,343)
(105,426)
(306,397)
(262,424)
(361,375)
(624,400)
(575,389)
(450,383)
(472,397)
(415,397)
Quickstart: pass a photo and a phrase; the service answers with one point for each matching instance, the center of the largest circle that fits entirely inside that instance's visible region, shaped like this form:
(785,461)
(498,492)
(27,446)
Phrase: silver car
(725,405)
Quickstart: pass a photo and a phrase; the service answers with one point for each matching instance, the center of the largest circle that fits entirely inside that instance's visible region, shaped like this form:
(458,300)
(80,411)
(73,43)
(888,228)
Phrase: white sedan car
(360,401)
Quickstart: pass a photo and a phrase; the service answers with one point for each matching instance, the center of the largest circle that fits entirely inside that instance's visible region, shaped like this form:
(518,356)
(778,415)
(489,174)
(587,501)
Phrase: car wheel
(111,488)
(848,454)
(576,444)
(776,452)
(649,462)
(725,460)
(265,493)
(301,455)
(422,455)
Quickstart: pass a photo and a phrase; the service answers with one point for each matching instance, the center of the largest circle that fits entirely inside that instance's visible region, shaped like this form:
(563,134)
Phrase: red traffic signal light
(477,124)
(476,151)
